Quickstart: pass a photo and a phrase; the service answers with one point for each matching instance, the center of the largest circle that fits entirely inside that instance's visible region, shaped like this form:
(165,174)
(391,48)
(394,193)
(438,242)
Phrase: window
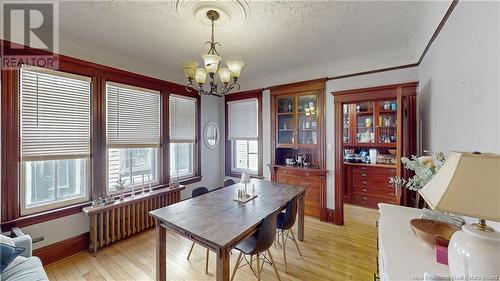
(55,139)
(182,136)
(243,133)
(133,132)
(245,156)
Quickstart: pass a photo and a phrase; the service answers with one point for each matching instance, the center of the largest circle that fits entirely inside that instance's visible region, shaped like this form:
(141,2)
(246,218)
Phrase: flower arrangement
(424,167)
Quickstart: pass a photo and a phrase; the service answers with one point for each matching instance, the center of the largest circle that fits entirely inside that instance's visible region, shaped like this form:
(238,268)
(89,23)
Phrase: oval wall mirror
(211,135)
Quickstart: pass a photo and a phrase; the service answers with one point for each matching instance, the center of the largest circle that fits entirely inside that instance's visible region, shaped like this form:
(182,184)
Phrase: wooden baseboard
(335,216)
(63,249)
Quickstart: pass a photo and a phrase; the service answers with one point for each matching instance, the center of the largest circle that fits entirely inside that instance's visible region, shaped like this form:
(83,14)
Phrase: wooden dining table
(219,223)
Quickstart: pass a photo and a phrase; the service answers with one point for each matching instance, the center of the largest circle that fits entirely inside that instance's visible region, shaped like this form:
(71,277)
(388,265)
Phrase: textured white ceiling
(281,42)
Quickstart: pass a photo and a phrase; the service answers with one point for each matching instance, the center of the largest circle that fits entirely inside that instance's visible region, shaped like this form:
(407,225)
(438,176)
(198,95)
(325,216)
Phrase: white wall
(460,82)
(371,80)
(211,169)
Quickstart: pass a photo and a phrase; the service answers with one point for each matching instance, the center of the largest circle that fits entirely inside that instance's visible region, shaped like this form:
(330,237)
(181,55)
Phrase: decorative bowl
(392,151)
(433,232)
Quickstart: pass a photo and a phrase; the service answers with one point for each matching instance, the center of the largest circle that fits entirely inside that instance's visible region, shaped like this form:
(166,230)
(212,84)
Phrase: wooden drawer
(371,181)
(372,178)
(370,190)
(313,194)
(286,179)
(310,173)
(370,201)
(286,172)
(309,182)
(369,169)
(311,208)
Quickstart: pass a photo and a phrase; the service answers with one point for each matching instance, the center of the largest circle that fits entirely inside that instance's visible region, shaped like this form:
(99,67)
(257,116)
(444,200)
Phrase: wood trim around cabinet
(251,94)
(339,166)
(63,249)
(296,87)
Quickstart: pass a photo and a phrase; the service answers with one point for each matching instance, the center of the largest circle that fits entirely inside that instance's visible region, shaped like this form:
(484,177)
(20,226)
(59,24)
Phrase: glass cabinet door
(364,122)
(286,121)
(345,124)
(387,125)
(307,119)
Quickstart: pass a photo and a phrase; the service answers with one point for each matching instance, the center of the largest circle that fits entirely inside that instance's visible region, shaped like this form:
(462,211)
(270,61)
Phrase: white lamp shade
(201,75)
(190,68)
(235,66)
(467,184)
(211,62)
(224,75)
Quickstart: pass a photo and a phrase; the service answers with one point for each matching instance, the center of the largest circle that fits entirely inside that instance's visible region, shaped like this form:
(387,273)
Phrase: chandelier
(212,61)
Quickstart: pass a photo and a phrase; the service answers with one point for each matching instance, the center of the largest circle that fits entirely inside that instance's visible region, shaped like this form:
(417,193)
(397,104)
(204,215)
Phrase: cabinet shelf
(285,113)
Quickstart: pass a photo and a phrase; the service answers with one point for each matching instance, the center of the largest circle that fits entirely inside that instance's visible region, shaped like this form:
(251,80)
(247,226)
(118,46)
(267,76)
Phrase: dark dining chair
(228,182)
(284,225)
(257,245)
(195,193)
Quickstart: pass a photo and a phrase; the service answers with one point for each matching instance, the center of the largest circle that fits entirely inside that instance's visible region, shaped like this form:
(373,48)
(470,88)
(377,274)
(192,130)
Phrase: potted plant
(120,185)
(424,168)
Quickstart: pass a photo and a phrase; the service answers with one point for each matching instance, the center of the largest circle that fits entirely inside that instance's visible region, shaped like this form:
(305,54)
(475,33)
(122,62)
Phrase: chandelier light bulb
(235,66)
(211,62)
(190,69)
(201,75)
(225,75)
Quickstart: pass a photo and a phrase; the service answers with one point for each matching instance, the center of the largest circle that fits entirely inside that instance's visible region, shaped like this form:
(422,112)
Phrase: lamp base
(473,252)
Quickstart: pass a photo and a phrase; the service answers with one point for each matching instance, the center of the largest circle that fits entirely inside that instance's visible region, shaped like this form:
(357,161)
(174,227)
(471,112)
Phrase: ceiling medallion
(212,61)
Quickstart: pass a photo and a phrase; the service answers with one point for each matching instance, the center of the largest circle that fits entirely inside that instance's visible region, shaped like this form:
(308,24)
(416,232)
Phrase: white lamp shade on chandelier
(235,66)
(224,75)
(211,62)
(201,75)
(190,69)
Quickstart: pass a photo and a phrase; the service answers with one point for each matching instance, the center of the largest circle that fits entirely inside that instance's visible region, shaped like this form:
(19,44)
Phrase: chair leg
(206,262)
(258,267)
(284,251)
(273,264)
(295,241)
(190,250)
(236,265)
(251,261)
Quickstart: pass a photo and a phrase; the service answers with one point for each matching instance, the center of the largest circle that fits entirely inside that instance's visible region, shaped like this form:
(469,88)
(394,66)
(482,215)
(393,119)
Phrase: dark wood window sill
(45,216)
(190,180)
(238,175)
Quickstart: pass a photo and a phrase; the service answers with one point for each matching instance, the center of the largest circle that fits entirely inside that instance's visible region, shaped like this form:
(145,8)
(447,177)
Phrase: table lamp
(469,184)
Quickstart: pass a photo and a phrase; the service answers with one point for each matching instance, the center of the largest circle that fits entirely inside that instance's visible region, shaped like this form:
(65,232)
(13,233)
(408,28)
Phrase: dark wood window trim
(251,94)
(196,177)
(10,153)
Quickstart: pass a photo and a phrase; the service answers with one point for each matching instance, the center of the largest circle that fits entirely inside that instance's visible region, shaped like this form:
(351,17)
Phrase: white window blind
(133,116)
(182,119)
(55,115)
(243,119)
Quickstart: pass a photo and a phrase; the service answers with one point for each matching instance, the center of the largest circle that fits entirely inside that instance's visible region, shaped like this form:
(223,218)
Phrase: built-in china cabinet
(298,141)
(374,128)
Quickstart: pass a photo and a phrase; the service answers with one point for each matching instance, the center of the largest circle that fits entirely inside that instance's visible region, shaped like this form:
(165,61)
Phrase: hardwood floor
(330,252)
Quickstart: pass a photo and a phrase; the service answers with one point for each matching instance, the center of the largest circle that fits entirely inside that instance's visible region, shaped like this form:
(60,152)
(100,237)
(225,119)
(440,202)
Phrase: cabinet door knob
(363,175)
(364,183)
(364,190)
(307,174)
(286,171)
(363,168)
(391,194)
(364,198)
